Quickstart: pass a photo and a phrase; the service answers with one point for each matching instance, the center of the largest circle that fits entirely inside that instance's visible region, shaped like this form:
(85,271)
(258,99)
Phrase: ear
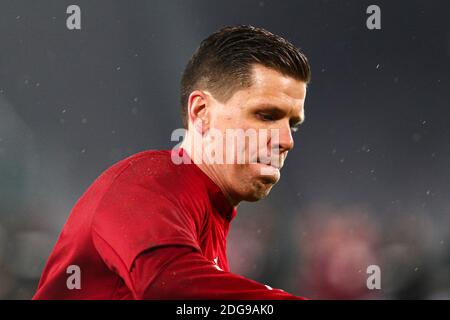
(198,113)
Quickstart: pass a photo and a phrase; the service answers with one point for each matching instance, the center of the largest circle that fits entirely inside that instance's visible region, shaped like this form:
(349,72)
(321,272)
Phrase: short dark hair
(222,63)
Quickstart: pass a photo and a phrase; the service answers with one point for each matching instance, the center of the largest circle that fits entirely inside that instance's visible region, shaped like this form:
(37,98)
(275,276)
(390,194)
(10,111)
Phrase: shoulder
(150,184)
(150,167)
(153,169)
(153,158)
(144,208)
(142,179)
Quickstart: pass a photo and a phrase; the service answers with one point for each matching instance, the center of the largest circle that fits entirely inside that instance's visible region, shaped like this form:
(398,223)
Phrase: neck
(211,170)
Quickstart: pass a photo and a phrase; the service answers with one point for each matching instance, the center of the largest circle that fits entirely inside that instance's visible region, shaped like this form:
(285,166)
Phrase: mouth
(269,170)
(274,163)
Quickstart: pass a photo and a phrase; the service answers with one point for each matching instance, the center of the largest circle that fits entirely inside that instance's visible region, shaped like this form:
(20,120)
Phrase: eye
(266,117)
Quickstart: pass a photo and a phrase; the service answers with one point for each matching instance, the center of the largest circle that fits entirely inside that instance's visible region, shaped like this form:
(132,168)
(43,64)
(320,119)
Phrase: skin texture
(273,101)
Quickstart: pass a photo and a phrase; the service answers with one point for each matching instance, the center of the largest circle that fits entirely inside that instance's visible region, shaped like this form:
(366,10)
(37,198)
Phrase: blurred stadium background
(369,179)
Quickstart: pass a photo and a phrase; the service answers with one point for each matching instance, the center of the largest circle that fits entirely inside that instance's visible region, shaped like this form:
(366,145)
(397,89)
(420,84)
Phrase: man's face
(273,102)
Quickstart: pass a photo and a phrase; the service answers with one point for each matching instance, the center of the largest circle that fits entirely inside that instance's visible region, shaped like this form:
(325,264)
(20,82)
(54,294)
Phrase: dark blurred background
(367,184)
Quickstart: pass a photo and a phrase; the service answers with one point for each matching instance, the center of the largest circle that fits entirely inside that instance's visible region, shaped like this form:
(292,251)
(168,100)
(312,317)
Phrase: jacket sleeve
(179,272)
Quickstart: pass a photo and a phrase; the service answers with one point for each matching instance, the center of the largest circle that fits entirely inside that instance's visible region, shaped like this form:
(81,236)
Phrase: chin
(259,190)
(256,185)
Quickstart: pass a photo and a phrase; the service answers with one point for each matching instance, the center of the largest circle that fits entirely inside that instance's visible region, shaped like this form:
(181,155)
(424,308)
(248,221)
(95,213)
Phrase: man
(154,225)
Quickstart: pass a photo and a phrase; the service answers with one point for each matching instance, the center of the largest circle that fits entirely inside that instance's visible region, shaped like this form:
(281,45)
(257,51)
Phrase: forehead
(270,86)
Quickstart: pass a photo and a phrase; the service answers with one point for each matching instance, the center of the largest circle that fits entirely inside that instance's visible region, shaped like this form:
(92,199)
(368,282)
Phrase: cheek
(238,172)
(230,117)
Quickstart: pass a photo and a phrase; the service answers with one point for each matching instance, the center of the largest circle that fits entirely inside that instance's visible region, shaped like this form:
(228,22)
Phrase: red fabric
(183,273)
(149,229)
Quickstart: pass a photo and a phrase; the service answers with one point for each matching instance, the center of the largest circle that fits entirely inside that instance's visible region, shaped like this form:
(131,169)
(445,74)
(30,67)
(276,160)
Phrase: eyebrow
(277,111)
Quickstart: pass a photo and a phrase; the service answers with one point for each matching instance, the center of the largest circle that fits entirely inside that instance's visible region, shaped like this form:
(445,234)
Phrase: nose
(286,141)
(281,139)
